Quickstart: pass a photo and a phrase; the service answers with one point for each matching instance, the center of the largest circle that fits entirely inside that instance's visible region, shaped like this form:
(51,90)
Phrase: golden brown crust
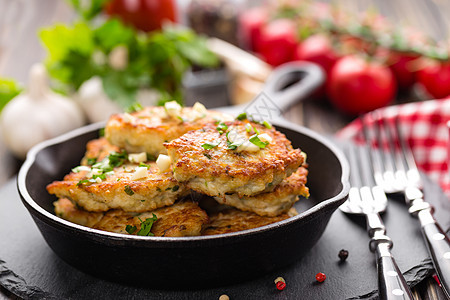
(120,191)
(184,218)
(274,203)
(97,150)
(220,170)
(233,220)
(146,130)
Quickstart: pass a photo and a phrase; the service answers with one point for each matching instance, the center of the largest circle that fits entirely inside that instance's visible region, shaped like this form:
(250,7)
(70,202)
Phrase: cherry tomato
(251,22)
(435,78)
(146,15)
(358,86)
(278,41)
(318,49)
(402,66)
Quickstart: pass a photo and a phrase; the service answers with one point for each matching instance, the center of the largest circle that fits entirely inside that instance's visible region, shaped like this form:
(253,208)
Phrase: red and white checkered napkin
(424,126)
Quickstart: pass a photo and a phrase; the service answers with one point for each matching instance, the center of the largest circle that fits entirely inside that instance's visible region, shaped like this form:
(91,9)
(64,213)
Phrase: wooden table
(20,48)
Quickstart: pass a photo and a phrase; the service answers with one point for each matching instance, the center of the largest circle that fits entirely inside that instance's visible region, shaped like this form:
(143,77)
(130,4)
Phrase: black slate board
(29,268)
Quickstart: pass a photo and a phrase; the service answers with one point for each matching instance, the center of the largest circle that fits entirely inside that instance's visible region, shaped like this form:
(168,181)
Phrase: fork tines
(393,162)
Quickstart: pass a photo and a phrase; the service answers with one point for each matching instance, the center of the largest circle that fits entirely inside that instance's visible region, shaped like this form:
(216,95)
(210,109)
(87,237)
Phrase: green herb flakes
(267,124)
(175,188)
(242,116)
(211,145)
(207,155)
(141,164)
(146,226)
(130,229)
(222,127)
(128,190)
(254,139)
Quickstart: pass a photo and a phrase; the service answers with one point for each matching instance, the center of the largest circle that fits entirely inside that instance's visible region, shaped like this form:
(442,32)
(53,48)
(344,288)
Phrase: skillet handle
(292,82)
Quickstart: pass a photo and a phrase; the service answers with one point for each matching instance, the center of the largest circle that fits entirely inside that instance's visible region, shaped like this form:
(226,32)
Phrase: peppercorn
(343,254)
(320,277)
(280,283)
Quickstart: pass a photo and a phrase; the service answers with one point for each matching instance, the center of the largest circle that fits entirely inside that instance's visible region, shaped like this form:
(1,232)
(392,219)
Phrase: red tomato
(318,49)
(402,66)
(278,41)
(358,86)
(435,78)
(251,22)
(146,15)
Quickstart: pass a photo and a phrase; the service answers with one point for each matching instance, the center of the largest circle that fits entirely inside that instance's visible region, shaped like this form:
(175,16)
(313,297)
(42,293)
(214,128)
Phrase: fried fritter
(233,220)
(216,161)
(184,218)
(146,130)
(97,150)
(119,190)
(274,203)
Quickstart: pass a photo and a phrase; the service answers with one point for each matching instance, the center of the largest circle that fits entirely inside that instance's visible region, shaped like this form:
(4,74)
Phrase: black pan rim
(95,234)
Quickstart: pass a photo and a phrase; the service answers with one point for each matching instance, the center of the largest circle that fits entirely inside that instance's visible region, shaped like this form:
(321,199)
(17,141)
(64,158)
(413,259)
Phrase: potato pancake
(233,220)
(239,157)
(184,218)
(274,203)
(146,130)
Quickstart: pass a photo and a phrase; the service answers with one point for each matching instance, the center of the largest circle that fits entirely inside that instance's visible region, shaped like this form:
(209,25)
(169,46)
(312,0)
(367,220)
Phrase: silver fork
(369,200)
(395,170)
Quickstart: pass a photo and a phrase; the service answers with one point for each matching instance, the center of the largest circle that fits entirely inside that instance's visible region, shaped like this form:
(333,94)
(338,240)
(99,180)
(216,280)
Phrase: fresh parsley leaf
(146,226)
(116,159)
(211,145)
(130,229)
(8,90)
(128,190)
(254,139)
(88,9)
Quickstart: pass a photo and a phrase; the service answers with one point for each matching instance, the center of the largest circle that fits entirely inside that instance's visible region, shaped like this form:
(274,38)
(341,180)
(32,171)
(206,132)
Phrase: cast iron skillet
(190,262)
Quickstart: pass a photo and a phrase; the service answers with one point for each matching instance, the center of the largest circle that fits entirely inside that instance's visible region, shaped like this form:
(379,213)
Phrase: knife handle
(438,245)
(391,283)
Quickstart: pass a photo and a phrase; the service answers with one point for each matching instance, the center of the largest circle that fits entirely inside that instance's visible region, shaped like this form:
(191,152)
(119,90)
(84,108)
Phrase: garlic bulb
(37,115)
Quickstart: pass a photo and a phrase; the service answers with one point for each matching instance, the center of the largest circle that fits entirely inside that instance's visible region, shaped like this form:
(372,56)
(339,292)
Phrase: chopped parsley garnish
(101,132)
(91,160)
(134,107)
(116,159)
(233,145)
(222,127)
(128,190)
(130,229)
(207,155)
(209,146)
(242,116)
(146,226)
(254,139)
(141,164)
